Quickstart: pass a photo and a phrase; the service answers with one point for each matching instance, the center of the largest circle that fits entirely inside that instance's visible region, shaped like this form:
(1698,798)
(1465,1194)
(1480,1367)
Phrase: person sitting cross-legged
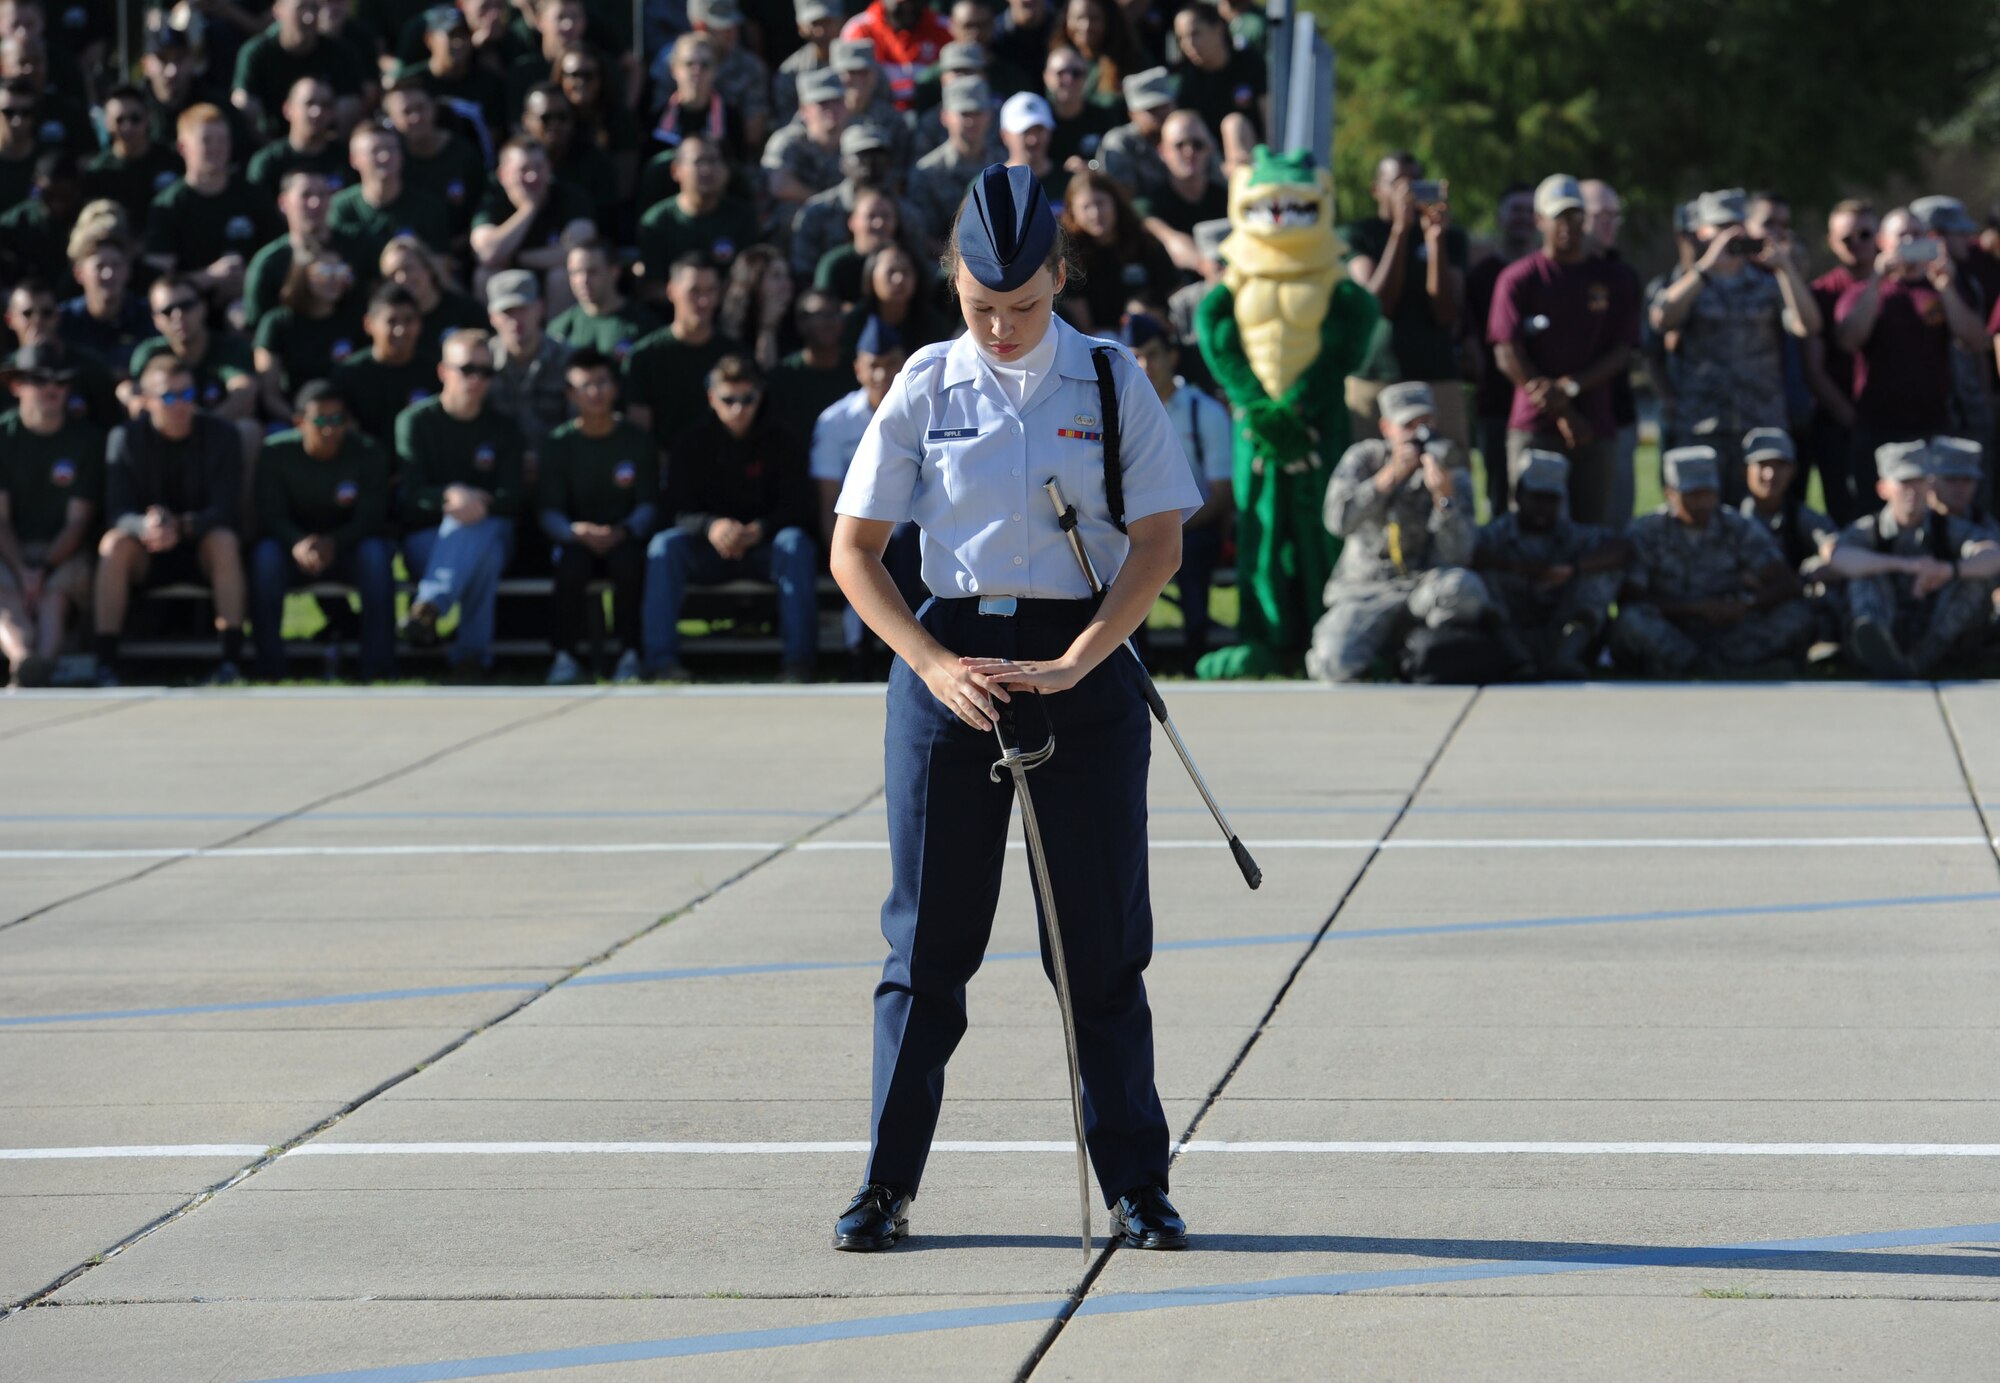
(1918,584)
(1402,504)
(322,506)
(741,504)
(1708,591)
(600,493)
(1555,577)
(461,462)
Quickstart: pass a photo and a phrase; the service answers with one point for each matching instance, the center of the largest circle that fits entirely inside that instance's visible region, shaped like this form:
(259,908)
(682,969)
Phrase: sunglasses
(328,420)
(175,396)
(177,307)
(474,371)
(38,310)
(41,381)
(738,400)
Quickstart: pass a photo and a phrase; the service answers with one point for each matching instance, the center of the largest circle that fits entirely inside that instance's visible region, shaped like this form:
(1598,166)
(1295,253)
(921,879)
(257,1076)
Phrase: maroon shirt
(1827,290)
(1902,373)
(1592,308)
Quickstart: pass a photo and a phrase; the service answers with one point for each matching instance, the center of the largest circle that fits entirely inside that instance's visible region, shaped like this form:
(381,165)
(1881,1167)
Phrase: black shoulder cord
(1107,402)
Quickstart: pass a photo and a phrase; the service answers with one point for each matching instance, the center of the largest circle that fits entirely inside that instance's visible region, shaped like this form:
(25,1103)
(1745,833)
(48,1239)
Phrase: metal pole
(1066,516)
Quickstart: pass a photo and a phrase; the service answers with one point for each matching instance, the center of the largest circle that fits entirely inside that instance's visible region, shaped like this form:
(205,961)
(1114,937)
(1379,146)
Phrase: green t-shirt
(42,474)
(614,333)
(265,70)
(666,233)
(799,393)
(346,498)
(840,272)
(228,356)
(416,212)
(454,312)
(599,479)
(309,347)
(269,165)
(197,229)
(438,450)
(564,205)
(132,183)
(455,174)
(671,378)
(376,393)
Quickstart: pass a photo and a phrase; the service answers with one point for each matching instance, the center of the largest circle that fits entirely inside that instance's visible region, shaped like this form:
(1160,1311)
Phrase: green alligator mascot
(1281,333)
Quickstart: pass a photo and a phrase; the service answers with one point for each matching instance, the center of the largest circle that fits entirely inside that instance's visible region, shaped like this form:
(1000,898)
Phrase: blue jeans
(677,559)
(460,564)
(904,558)
(364,565)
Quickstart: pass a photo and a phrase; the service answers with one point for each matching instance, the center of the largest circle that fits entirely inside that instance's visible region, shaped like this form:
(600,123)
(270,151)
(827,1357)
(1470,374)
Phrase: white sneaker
(628,669)
(564,671)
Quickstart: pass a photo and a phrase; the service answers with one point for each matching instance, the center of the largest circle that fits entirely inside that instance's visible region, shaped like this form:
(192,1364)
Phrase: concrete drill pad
(1377,1335)
(282,1000)
(31,886)
(1975,717)
(200,1342)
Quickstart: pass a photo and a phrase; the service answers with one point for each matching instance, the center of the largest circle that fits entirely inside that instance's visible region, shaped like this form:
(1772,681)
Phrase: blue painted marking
(1588,1258)
(785,967)
(377,996)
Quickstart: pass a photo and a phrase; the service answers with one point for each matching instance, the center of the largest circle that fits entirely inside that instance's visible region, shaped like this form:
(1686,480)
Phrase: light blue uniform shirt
(949,449)
(838,434)
(1203,427)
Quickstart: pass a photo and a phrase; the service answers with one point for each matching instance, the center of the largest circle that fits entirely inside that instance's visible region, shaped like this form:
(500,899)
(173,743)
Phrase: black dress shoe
(1144,1218)
(877,1218)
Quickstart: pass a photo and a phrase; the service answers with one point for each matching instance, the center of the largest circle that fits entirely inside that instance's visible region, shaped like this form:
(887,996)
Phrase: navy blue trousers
(948,829)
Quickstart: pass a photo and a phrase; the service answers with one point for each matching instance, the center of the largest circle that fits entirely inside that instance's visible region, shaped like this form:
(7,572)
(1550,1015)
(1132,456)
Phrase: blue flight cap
(1142,327)
(1006,229)
(878,338)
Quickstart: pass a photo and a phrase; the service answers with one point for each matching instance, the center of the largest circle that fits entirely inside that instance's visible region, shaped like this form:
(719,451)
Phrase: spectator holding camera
(1971,370)
(1563,324)
(1732,310)
(1900,323)
(1829,368)
(1412,258)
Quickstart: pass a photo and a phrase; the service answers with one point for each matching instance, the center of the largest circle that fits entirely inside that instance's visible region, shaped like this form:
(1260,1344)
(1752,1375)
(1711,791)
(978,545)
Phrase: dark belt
(1021,608)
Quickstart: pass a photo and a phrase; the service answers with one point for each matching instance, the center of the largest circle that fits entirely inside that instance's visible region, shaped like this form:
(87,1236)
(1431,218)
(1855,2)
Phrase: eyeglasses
(328,420)
(474,371)
(172,396)
(177,307)
(41,381)
(738,400)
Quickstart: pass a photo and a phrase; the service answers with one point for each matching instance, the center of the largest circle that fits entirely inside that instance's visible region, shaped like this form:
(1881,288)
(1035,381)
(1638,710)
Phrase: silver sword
(1018,764)
(1066,516)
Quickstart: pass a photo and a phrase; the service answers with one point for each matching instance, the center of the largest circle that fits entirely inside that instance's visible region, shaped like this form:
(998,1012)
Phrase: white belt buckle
(1002,605)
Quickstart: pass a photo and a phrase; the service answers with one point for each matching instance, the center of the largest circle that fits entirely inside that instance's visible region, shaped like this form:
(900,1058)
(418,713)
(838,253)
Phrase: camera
(1426,192)
(1746,245)
(1917,251)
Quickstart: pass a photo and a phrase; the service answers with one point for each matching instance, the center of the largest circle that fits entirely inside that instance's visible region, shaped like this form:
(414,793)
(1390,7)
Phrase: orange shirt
(901,53)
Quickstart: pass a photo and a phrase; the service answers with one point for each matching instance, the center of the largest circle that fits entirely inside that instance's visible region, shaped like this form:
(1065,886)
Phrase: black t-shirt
(1183,215)
(1233,90)
(1424,349)
(1083,132)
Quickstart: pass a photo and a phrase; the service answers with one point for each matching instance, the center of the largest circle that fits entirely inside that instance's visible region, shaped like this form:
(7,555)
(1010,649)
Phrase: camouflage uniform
(941,179)
(785,84)
(1402,561)
(1675,562)
(1131,160)
(744,84)
(1551,627)
(1729,373)
(1926,631)
(821,223)
(791,150)
(1798,532)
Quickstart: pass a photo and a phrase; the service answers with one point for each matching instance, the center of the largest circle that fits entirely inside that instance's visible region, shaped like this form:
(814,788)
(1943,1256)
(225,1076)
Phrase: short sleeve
(1157,476)
(829,460)
(1503,321)
(882,479)
(1217,442)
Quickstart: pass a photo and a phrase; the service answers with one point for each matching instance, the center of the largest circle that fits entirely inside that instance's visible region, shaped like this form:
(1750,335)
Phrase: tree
(1659,97)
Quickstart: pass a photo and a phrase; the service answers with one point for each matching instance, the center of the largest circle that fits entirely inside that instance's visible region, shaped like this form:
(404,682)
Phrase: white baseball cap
(1023,111)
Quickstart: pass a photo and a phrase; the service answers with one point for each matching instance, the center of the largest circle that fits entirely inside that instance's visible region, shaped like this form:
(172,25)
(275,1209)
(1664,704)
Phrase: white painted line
(1197,1146)
(693,847)
(166,1150)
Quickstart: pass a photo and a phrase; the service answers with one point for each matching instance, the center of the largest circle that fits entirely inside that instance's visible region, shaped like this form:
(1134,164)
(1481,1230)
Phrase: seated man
(377,385)
(878,355)
(1402,504)
(461,463)
(1708,590)
(51,486)
(1805,536)
(173,483)
(1554,577)
(600,497)
(1956,474)
(1918,584)
(323,507)
(740,502)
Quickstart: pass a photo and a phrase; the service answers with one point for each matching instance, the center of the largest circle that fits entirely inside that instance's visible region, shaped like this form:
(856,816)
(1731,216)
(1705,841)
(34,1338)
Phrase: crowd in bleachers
(495,291)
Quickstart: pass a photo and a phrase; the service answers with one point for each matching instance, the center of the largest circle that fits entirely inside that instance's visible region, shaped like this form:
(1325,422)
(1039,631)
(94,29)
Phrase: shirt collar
(961,362)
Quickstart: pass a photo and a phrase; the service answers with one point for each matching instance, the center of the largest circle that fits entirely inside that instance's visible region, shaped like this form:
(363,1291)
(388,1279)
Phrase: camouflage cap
(1545,472)
(1151,89)
(962,57)
(972,94)
(1724,207)
(1692,468)
(1406,402)
(819,85)
(1903,460)
(1762,442)
(853,54)
(1957,458)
